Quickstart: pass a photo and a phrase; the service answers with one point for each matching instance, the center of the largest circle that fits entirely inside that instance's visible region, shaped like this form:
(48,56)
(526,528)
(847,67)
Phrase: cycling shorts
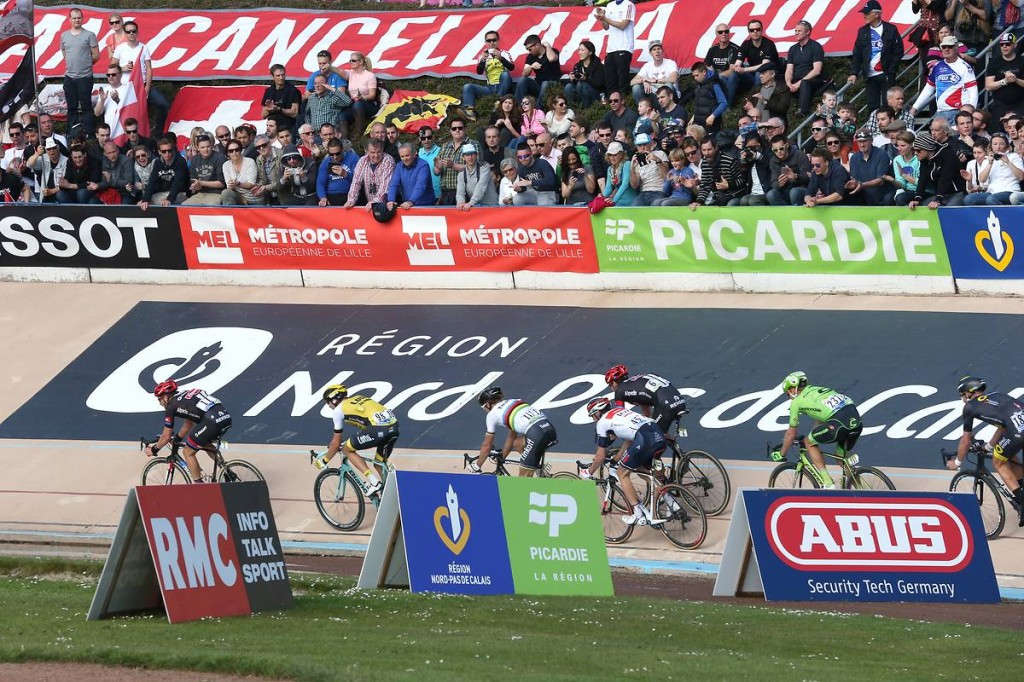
(648,443)
(382,438)
(670,405)
(214,424)
(842,428)
(536,441)
(1008,446)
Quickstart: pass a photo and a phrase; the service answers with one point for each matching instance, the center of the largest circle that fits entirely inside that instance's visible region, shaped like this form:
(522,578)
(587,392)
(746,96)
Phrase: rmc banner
(210,44)
(861,241)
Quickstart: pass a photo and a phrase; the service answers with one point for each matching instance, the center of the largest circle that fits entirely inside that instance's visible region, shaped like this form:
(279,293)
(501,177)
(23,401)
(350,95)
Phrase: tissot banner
(210,44)
(984,242)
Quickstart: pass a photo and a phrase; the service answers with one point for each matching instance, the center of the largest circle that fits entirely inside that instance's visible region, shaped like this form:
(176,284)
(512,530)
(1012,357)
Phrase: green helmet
(794,380)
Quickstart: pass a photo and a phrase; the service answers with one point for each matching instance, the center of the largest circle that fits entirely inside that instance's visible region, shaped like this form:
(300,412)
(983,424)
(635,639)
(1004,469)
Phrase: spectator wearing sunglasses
(132,54)
(541,68)
(537,184)
(951,82)
(268,170)
(168,180)
(449,161)
(495,65)
(111,95)
(298,178)
(724,57)
(828,180)
(428,151)
(790,171)
(116,36)
(334,176)
(819,131)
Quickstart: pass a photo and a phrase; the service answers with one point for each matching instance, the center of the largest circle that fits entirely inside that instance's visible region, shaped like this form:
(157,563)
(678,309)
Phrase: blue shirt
(326,183)
(429,158)
(412,184)
(334,80)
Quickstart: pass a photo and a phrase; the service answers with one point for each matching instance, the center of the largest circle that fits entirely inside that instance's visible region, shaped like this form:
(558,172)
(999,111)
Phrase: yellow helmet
(335,392)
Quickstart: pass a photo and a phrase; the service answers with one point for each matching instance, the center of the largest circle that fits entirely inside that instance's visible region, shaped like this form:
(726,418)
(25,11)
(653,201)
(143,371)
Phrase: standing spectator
(117,35)
(372,176)
(492,152)
(790,170)
(449,163)
(118,173)
(972,23)
(476,182)
(769,96)
(586,80)
(298,178)
(952,82)
(540,70)
(756,171)
(281,99)
(268,170)
(326,103)
(239,178)
(647,171)
(206,174)
(495,65)
(616,185)
(656,73)
(877,53)
(925,35)
(131,54)
(721,176)
(905,169)
(1005,77)
(49,166)
(334,177)
(804,67)
(579,185)
(895,100)
(618,116)
(410,181)
(168,179)
(755,52)
(81,50)
(325,68)
(868,167)
(1003,174)
(81,179)
(709,99)
(537,184)
(618,18)
(108,104)
(828,180)
(724,56)
(428,152)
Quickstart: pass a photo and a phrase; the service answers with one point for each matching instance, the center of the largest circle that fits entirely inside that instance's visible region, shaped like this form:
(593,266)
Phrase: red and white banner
(207,44)
(209,106)
(483,239)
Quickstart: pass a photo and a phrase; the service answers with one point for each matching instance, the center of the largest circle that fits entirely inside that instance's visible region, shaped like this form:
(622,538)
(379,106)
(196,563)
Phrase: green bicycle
(803,474)
(340,496)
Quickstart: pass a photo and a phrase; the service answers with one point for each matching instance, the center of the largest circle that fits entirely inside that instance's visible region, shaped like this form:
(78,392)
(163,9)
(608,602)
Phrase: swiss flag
(134,106)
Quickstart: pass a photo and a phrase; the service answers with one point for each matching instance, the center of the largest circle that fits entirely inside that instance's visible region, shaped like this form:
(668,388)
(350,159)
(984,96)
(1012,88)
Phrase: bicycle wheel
(868,478)
(789,476)
(238,470)
(616,530)
(704,477)
(565,475)
(685,524)
(993,513)
(339,499)
(159,472)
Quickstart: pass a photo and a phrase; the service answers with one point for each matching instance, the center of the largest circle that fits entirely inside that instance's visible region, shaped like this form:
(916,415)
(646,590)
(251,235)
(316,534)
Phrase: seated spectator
(846,124)
(804,66)
(724,59)
(868,166)
(619,117)
(495,65)
(559,116)
(239,178)
(770,97)
(49,166)
(379,131)
(680,181)
(245,134)
(1003,174)
(544,149)
(537,184)
(131,129)
(721,176)
(12,186)
(326,103)
(655,73)
(891,132)
(206,174)
(579,186)
(334,176)
(975,185)
(307,145)
(506,188)
(755,52)
(281,100)
(362,90)
(883,117)
(626,140)
(142,169)
(298,178)
(268,170)
(168,180)
(647,171)
(410,182)
(540,70)
(586,80)
(709,99)
(372,175)
(819,131)
(906,168)
(492,152)
(81,179)
(697,132)
(191,148)
(790,171)
(325,68)
(756,167)
(828,180)
(670,113)
(828,108)
(532,120)
(616,185)
(506,120)
(118,173)
(839,150)
(947,162)
(476,182)
(894,101)
(981,120)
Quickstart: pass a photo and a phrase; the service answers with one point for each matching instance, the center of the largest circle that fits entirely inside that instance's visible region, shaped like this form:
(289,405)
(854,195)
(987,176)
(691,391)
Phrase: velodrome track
(72,491)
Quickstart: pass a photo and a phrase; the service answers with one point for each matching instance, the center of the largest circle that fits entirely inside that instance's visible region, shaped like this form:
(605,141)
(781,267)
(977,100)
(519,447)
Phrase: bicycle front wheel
(686,525)
(339,499)
(565,475)
(612,501)
(704,477)
(160,471)
(868,478)
(993,513)
(792,475)
(239,471)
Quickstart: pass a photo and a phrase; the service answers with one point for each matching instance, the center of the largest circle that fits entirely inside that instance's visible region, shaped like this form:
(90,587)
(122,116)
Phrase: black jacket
(941,174)
(796,160)
(892,51)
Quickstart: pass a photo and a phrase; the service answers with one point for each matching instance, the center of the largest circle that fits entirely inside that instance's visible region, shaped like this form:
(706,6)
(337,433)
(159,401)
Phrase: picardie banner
(242,44)
(483,239)
(849,241)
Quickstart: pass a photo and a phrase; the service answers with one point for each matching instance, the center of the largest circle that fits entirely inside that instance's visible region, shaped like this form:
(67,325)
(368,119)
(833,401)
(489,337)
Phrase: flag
(411,110)
(209,106)
(133,105)
(17,32)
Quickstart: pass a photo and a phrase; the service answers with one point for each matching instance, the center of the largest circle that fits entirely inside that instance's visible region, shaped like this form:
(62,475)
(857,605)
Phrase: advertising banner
(213,44)
(849,241)
(829,545)
(983,242)
(484,239)
(38,235)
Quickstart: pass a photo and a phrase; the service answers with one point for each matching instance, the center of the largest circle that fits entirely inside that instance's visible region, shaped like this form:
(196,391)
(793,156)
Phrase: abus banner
(828,545)
(866,241)
(983,242)
(90,236)
(502,240)
(197,44)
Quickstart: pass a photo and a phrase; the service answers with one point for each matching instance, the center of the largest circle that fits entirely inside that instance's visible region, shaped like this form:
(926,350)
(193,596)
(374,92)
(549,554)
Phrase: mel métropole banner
(861,241)
(983,242)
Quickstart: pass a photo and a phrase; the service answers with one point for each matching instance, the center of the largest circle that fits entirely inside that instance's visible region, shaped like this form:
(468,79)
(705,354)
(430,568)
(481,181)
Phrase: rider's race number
(836,401)
(654,382)
(383,417)
(1018,421)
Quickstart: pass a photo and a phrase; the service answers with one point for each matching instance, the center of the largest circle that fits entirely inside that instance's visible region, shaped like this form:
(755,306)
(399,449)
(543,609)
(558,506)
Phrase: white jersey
(619,422)
(515,415)
(620,39)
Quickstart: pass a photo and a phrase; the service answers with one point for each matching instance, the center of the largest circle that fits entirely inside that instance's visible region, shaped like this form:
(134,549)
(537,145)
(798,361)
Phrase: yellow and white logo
(1002,244)
(458,522)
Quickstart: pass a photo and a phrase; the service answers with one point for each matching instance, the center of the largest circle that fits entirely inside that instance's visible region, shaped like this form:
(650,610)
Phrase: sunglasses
(308,132)
(131,30)
(604,134)
(354,60)
(833,143)
(263,146)
(114,22)
(426,137)
(949,47)
(113,75)
(754,30)
(132,131)
(223,137)
(525,104)
(234,150)
(523,156)
(693,153)
(142,156)
(336,154)
(15,133)
(722,33)
(778,150)
(458,127)
(816,165)
(817,130)
(166,151)
(491,40)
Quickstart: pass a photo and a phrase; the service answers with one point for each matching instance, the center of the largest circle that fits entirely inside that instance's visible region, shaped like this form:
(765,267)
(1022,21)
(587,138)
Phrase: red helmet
(616,373)
(169,387)
(597,407)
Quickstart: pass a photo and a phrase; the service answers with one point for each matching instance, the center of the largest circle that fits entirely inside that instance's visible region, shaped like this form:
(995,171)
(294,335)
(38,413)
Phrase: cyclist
(836,420)
(643,441)
(378,428)
(1007,415)
(528,430)
(656,397)
(204,419)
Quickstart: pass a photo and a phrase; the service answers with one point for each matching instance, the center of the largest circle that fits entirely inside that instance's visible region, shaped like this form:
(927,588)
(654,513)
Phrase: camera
(642,158)
(997,157)
(748,155)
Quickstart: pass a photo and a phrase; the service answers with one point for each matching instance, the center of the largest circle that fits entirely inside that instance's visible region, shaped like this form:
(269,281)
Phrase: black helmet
(489,395)
(969,384)
(381,212)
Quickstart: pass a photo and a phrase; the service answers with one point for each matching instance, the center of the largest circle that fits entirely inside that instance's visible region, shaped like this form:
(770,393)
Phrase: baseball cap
(642,138)
(468,148)
(50,143)
(871,6)
(654,43)
(614,148)
(949,41)
(1007,39)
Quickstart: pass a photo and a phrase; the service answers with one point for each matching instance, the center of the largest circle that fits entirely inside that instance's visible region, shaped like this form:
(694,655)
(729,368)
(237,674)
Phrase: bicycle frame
(982,471)
(500,462)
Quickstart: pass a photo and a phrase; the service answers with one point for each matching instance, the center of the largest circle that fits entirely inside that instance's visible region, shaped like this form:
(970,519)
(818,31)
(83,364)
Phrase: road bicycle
(803,474)
(500,462)
(986,485)
(170,469)
(340,494)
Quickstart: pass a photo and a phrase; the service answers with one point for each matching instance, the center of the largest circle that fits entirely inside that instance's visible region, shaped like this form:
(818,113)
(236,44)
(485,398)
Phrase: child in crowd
(680,182)
(828,109)
(846,125)
(648,120)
